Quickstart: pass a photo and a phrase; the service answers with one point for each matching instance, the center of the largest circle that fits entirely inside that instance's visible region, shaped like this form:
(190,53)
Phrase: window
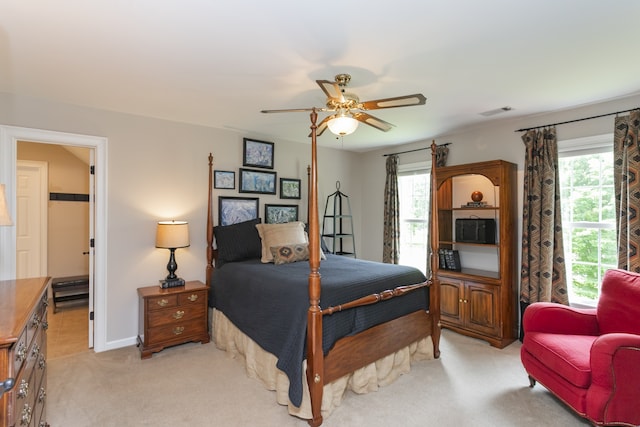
(588,215)
(413,187)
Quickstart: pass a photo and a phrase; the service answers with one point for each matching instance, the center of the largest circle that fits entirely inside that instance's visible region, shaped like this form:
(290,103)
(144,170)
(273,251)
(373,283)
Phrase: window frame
(419,168)
(581,147)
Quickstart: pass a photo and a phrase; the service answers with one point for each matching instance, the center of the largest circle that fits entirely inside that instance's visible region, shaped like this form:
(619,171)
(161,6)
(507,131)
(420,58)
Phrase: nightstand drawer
(164,301)
(177,331)
(193,298)
(178,314)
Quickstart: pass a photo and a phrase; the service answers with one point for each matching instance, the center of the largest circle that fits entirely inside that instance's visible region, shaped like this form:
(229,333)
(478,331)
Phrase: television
(476,230)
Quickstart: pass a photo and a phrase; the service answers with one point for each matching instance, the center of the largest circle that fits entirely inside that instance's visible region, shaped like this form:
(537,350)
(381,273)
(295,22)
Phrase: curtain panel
(543,273)
(626,153)
(391,240)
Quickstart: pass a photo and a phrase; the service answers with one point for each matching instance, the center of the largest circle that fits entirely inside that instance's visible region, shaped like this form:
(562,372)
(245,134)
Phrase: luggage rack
(69,291)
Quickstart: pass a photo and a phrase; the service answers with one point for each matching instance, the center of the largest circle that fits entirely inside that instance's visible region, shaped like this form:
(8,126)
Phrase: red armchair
(590,358)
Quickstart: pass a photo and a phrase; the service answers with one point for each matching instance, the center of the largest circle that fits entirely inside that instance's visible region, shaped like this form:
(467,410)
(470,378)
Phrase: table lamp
(172,235)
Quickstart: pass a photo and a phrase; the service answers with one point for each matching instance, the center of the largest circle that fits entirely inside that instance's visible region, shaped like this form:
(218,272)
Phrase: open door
(91,242)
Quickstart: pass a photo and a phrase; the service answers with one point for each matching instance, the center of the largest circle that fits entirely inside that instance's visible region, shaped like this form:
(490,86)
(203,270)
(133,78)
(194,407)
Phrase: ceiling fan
(348,110)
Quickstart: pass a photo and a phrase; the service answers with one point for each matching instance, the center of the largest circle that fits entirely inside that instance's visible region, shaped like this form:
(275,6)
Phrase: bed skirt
(260,364)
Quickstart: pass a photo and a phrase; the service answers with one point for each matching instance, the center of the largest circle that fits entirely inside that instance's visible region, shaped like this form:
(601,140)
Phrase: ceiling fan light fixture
(342,125)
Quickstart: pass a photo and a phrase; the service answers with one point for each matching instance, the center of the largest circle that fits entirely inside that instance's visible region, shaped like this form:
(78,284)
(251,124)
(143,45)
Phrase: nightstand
(172,316)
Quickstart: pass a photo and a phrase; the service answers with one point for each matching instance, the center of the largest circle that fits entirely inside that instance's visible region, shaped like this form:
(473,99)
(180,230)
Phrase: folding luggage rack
(69,291)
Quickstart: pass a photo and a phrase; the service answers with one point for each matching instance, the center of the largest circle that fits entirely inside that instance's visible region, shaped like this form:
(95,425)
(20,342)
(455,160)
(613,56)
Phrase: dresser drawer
(179,314)
(177,331)
(163,301)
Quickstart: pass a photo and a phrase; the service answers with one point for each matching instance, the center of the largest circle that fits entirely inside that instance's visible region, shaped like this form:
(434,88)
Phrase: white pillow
(289,233)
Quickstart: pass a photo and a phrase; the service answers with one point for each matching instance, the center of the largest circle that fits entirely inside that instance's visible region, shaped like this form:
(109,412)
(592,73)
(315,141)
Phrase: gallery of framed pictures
(257,154)
(232,210)
(277,214)
(256,181)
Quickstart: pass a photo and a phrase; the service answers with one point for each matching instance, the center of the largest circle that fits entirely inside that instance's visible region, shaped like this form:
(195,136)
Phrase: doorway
(9,137)
(53,236)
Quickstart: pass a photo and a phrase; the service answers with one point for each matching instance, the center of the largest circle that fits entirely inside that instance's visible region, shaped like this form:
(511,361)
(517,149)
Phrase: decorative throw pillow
(289,233)
(237,242)
(290,253)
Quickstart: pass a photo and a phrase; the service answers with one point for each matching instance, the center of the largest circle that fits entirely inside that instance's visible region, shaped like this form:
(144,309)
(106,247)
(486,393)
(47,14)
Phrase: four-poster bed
(384,311)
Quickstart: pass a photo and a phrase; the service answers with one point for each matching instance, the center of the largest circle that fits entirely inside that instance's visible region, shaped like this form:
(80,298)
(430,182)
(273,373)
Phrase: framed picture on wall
(224,179)
(232,210)
(257,154)
(289,188)
(253,181)
(277,214)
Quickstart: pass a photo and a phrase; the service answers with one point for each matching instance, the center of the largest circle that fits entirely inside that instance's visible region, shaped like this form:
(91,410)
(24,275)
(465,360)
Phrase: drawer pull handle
(42,394)
(193,297)
(23,389)
(35,322)
(21,353)
(42,362)
(178,330)
(178,314)
(45,325)
(35,351)
(163,302)
(25,417)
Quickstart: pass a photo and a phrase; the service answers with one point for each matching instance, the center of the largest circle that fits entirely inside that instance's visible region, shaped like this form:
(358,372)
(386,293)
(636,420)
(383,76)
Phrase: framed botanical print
(224,179)
(257,154)
(277,214)
(289,188)
(232,210)
(254,181)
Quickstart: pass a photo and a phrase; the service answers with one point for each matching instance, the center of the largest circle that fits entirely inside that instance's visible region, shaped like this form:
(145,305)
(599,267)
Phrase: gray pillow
(237,242)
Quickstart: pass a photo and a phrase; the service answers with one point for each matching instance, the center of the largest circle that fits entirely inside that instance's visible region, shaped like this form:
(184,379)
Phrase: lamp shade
(5,218)
(172,234)
(342,125)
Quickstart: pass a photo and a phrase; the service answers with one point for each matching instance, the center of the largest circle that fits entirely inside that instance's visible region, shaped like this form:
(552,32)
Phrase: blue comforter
(269,303)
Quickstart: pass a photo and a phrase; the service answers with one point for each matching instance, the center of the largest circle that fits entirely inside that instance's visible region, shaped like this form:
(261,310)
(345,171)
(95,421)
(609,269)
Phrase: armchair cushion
(567,355)
(618,307)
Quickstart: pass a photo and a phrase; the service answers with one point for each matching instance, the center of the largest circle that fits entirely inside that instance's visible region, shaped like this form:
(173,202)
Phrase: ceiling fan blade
(331,89)
(290,110)
(322,126)
(373,121)
(398,101)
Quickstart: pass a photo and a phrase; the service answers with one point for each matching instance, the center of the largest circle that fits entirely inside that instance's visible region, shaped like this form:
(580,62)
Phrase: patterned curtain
(543,274)
(626,155)
(391,243)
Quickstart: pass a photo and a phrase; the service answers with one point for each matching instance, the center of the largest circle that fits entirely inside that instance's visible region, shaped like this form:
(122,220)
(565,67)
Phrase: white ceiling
(218,63)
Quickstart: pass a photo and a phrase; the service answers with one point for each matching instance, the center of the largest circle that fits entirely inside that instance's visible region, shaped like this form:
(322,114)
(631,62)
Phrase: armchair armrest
(559,319)
(615,379)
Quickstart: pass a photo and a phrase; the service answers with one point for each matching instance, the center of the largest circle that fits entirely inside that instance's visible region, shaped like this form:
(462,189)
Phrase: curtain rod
(576,120)
(417,149)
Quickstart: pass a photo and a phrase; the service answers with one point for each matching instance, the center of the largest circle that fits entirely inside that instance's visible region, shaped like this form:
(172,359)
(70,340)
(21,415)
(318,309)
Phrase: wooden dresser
(23,349)
(172,316)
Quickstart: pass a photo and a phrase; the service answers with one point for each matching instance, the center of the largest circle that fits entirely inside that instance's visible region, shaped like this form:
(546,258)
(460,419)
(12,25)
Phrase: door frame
(9,137)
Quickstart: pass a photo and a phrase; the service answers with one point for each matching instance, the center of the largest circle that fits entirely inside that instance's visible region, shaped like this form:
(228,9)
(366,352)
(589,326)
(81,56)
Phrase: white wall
(158,170)
(496,140)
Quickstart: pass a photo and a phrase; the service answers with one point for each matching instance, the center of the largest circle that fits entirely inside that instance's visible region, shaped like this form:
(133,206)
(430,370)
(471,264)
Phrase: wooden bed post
(434,289)
(209,268)
(315,356)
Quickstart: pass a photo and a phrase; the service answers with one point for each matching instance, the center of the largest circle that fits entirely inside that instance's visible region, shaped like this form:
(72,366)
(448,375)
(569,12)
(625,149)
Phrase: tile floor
(68,331)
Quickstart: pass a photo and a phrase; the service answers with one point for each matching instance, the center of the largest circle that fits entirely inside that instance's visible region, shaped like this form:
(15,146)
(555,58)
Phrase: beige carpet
(472,384)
